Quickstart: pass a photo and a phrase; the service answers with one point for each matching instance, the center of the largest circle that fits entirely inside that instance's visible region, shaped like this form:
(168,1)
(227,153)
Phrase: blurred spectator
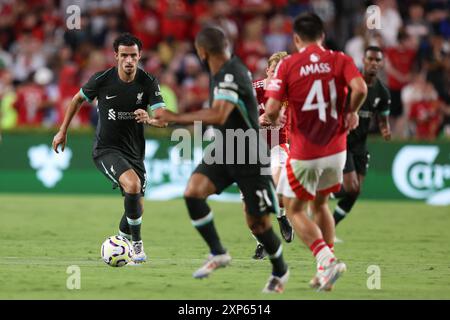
(416,25)
(221,12)
(278,37)
(426,115)
(144,21)
(168,85)
(434,64)
(34,35)
(326,10)
(251,48)
(175,18)
(414,92)
(249,9)
(32,101)
(8,114)
(391,21)
(355,46)
(399,68)
(95,63)
(196,94)
(28,57)
(5,59)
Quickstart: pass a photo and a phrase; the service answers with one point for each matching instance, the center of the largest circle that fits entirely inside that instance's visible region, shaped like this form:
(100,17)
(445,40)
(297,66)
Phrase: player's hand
(142,116)
(59,139)
(165,115)
(386,133)
(351,120)
(157,123)
(264,121)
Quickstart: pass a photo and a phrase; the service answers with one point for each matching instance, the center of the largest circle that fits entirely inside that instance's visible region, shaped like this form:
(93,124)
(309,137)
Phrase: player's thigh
(352,179)
(331,176)
(112,165)
(278,157)
(303,179)
(259,194)
(139,169)
(130,181)
(206,180)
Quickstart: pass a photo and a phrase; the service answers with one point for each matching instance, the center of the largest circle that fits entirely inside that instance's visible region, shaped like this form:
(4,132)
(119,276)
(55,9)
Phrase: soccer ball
(116,251)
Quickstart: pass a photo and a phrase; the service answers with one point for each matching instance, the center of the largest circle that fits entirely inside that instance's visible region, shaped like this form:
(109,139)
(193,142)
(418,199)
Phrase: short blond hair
(276,57)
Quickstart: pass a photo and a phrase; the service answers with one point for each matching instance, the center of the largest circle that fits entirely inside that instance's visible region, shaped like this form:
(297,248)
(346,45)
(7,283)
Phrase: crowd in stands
(43,63)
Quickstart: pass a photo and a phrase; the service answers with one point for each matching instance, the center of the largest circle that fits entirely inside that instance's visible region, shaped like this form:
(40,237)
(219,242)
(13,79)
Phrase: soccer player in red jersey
(314,81)
(277,141)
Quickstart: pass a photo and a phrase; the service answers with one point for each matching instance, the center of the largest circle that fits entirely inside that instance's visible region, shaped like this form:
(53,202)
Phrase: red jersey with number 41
(314,82)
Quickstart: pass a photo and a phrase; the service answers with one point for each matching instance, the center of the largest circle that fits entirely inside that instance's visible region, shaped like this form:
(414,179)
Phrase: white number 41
(316,93)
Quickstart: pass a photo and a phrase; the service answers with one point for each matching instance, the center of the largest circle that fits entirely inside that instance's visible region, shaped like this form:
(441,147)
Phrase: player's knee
(192,192)
(354,190)
(132,186)
(258,225)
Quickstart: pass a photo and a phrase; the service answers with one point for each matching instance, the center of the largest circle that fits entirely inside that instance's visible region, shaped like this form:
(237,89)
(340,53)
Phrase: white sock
(323,254)
(281,213)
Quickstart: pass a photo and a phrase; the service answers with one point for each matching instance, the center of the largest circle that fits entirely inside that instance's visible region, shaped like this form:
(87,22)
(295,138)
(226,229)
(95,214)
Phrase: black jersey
(233,83)
(378,102)
(116,102)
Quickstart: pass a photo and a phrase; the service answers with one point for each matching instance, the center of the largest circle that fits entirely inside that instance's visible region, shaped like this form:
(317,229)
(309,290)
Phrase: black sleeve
(385,103)
(90,89)
(226,88)
(155,99)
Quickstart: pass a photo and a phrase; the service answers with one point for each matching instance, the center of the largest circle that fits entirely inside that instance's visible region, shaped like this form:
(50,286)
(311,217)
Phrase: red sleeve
(349,69)
(276,88)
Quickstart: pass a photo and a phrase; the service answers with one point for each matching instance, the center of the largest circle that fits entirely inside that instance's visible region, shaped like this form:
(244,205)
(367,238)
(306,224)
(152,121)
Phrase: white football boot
(212,263)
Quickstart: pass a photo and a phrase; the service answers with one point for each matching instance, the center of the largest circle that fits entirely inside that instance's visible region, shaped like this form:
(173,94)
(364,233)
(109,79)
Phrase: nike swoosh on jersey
(110,97)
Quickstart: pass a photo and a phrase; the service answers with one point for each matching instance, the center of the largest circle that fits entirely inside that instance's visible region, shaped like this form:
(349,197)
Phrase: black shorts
(357,162)
(113,163)
(257,190)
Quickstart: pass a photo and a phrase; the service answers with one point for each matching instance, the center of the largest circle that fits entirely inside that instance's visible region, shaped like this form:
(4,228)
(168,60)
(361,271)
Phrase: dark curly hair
(126,39)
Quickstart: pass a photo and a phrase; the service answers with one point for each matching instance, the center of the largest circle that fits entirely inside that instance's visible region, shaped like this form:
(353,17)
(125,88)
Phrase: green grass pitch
(41,236)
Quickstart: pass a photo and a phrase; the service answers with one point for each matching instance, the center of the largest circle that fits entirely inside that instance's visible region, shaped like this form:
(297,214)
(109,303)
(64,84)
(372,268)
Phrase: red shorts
(303,178)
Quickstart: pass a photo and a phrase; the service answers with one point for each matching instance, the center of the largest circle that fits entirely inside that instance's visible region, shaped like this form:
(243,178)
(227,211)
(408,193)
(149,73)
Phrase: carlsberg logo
(417,176)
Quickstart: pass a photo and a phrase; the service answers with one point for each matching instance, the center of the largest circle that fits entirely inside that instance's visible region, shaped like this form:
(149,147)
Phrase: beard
(205,65)
(128,70)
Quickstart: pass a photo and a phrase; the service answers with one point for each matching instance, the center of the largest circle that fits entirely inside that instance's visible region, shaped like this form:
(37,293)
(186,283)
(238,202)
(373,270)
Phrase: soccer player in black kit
(376,104)
(233,108)
(123,94)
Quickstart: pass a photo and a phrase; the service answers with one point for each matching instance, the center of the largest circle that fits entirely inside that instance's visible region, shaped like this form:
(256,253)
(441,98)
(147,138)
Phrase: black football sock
(343,207)
(202,220)
(133,211)
(340,194)
(124,228)
(273,247)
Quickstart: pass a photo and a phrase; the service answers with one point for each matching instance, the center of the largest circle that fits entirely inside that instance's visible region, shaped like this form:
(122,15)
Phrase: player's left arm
(275,92)
(156,106)
(383,116)
(217,114)
(273,108)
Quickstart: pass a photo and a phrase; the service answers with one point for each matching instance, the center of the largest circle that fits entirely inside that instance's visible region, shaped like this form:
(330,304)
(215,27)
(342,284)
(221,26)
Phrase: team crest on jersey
(314,58)
(229,77)
(139,97)
(376,102)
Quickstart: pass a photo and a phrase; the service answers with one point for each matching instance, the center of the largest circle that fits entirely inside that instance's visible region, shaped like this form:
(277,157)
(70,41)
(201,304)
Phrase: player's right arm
(88,93)
(275,92)
(61,137)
